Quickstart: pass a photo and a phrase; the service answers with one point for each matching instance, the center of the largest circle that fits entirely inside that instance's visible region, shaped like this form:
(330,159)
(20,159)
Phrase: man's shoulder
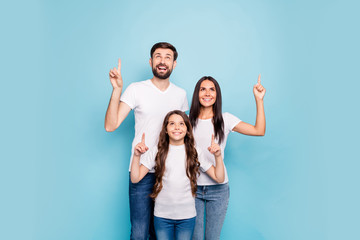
(177,88)
(140,83)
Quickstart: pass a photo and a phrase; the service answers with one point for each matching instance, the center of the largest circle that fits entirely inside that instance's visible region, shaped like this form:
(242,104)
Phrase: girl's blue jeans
(169,229)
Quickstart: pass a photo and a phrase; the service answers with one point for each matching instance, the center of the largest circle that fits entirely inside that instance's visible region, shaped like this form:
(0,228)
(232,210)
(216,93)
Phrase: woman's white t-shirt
(202,134)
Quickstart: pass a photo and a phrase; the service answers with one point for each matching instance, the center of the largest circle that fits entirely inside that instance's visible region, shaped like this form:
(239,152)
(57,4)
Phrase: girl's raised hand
(214,148)
(140,148)
(259,90)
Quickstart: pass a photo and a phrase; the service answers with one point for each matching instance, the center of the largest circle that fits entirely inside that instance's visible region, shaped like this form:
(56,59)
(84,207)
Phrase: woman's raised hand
(115,76)
(140,148)
(259,90)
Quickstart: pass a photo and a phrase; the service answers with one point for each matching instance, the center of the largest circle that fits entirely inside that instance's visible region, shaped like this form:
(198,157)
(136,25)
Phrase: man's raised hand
(115,76)
(140,148)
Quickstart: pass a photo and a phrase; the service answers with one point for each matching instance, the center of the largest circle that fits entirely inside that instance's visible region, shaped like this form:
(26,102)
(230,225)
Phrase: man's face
(162,63)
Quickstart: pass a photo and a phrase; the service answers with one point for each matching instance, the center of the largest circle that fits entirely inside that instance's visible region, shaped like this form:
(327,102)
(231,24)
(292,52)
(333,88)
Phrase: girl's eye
(171,123)
(182,124)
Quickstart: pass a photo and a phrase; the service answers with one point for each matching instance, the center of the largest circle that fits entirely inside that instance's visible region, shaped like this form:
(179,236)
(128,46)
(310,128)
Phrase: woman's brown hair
(192,162)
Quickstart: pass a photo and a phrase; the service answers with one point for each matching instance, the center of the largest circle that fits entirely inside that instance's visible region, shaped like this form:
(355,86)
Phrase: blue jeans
(168,229)
(211,201)
(142,208)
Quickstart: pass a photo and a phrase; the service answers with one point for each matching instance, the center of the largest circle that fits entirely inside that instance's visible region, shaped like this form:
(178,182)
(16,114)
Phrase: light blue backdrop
(64,177)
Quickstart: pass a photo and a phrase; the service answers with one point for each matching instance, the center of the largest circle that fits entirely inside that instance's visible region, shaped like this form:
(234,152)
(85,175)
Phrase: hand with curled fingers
(259,90)
(140,148)
(115,76)
(214,148)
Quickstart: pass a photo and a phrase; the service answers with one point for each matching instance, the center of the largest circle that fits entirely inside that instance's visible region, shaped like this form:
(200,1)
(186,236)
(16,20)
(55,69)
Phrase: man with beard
(151,100)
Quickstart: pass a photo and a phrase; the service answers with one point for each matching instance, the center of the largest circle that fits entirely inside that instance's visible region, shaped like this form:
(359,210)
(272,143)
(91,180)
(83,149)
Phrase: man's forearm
(111,117)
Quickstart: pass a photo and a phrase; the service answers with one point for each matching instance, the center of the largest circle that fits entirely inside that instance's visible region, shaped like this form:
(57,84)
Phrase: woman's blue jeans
(211,204)
(169,229)
(142,208)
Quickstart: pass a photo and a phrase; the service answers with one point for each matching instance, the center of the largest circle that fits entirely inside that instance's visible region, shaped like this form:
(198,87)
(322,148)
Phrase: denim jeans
(142,208)
(168,229)
(211,201)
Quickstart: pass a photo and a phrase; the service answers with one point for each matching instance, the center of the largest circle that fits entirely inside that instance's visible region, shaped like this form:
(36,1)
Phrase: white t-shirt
(150,107)
(202,134)
(175,200)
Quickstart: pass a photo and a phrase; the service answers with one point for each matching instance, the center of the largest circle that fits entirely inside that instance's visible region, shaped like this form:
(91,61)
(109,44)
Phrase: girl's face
(176,129)
(207,93)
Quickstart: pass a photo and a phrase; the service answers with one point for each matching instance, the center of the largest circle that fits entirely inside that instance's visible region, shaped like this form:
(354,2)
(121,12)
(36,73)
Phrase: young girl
(176,163)
(207,119)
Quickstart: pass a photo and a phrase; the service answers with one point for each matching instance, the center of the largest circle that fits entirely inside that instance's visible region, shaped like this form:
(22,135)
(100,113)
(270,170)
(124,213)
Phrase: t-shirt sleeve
(148,158)
(128,96)
(185,104)
(230,121)
(205,164)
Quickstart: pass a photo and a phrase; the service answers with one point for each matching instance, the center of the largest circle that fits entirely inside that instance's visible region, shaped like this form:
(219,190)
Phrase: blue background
(63,177)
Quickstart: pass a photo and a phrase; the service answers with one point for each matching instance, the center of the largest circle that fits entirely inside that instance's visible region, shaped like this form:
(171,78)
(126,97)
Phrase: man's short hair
(164,45)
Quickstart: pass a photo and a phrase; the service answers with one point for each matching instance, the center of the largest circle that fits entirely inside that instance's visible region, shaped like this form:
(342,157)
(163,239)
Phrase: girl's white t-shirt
(175,200)
(202,134)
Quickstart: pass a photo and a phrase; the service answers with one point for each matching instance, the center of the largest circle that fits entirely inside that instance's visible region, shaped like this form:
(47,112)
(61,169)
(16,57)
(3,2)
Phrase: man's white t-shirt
(150,106)
(175,200)
(202,134)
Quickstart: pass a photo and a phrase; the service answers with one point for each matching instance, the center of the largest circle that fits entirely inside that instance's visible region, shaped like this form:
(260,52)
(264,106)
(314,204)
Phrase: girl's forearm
(219,169)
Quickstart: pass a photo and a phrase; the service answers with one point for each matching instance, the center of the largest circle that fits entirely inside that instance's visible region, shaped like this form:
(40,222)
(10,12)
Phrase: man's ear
(174,65)
(150,62)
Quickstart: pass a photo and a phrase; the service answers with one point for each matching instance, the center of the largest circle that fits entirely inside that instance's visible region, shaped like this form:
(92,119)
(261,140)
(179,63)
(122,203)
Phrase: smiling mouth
(161,68)
(177,133)
(207,99)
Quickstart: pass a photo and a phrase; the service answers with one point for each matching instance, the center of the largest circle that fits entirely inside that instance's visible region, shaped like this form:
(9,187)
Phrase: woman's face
(207,93)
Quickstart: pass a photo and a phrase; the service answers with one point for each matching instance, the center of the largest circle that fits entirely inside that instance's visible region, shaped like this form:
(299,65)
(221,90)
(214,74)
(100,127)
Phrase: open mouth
(176,133)
(207,99)
(162,68)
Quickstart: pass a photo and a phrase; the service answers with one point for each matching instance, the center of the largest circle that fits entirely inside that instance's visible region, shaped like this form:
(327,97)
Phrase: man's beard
(164,75)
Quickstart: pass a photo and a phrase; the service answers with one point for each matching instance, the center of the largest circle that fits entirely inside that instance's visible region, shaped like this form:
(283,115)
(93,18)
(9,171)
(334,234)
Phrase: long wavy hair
(192,162)
(217,119)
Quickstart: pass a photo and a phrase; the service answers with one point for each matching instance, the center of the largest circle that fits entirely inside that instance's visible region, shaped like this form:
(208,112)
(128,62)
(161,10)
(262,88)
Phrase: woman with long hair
(177,165)
(207,119)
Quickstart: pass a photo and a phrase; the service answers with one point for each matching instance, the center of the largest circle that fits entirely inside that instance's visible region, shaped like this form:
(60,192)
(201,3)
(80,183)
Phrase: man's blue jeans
(142,208)
(212,200)
(169,229)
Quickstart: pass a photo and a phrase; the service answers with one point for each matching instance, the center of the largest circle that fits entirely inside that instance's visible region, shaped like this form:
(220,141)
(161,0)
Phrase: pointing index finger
(259,78)
(143,138)
(119,65)
(212,139)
